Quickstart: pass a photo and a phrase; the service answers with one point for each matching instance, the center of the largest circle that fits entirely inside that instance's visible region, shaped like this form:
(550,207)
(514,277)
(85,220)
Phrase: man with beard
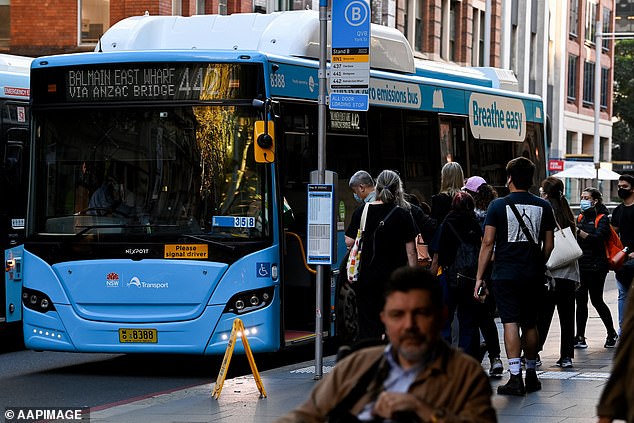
(417,377)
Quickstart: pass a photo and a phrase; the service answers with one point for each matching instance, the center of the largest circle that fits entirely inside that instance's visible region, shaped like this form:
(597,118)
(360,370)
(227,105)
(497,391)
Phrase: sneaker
(565,362)
(515,386)
(532,383)
(538,362)
(580,342)
(610,341)
(497,368)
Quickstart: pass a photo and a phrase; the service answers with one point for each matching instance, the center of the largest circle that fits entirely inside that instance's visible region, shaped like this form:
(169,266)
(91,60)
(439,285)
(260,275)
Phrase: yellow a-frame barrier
(237,328)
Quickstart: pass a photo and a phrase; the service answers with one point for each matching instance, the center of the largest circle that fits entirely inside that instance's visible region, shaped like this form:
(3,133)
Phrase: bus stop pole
(321,176)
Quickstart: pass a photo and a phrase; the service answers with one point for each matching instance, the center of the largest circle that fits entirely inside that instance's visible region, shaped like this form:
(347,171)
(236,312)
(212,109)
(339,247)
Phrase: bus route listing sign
(320,224)
(350,63)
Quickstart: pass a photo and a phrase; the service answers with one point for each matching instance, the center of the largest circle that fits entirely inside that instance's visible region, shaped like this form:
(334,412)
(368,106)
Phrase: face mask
(356,197)
(585,205)
(623,193)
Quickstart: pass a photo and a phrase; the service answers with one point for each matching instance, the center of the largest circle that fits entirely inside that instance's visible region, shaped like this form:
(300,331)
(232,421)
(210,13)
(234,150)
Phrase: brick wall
(52,26)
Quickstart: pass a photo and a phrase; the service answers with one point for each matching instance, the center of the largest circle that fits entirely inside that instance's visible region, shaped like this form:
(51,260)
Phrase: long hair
(451,178)
(389,189)
(554,190)
(483,197)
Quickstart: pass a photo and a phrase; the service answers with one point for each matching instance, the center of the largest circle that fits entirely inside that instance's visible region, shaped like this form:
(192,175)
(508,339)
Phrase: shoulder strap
(596,221)
(382,222)
(527,233)
(364,216)
(455,232)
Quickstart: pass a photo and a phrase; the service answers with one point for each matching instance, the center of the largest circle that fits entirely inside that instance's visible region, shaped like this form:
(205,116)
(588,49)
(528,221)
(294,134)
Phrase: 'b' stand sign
(237,329)
(350,67)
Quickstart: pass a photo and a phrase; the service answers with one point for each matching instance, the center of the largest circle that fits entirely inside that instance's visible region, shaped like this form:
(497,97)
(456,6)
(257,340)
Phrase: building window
(573,19)
(572,78)
(177,7)
(481,39)
(259,6)
(605,76)
(418,26)
(95,20)
(588,83)
(5,24)
(453,27)
(200,7)
(607,23)
(591,22)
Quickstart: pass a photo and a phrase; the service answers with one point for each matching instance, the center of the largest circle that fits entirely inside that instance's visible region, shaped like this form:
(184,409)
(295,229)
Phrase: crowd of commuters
(489,259)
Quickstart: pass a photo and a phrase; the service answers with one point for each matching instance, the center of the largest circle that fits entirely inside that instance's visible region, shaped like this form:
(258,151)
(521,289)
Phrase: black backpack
(465,265)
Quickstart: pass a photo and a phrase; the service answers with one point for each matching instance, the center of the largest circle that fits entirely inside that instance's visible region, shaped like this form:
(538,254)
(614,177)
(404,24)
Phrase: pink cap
(473,183)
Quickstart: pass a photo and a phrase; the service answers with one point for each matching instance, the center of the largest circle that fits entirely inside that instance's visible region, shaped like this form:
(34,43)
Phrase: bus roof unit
(266,33)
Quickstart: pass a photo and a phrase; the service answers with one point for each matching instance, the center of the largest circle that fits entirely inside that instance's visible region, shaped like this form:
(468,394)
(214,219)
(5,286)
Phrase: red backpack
(613,245)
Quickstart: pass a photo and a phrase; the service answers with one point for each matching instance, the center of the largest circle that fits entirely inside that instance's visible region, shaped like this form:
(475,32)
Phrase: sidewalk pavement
(567,395)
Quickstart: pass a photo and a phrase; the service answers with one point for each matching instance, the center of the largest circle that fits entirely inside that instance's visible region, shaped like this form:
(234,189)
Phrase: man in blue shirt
(522,248)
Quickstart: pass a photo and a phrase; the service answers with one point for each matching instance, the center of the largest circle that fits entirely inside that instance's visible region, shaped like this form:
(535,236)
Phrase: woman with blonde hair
(451,182)
(388,243)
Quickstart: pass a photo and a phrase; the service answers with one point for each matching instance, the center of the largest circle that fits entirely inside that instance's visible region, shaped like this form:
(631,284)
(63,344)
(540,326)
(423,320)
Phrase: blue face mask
(585,205)
(356,197)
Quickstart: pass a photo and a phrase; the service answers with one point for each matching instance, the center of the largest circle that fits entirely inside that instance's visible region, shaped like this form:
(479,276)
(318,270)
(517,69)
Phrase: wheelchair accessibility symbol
(263,270)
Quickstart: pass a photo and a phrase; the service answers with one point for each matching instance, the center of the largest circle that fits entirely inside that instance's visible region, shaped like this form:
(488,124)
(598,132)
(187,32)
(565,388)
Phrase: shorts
(518,300)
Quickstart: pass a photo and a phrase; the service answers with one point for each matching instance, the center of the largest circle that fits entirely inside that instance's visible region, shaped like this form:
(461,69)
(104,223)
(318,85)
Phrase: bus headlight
(247,301)
(36,300)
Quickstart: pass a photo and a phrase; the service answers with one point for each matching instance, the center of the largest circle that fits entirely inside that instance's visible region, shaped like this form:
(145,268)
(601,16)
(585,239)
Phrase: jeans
(622,300)
(460,299)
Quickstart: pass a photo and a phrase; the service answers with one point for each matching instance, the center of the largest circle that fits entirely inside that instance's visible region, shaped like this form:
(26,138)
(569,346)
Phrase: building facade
(549,45)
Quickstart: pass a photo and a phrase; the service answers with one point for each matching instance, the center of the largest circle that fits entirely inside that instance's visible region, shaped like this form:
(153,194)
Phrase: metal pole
(597,97)
(321,171)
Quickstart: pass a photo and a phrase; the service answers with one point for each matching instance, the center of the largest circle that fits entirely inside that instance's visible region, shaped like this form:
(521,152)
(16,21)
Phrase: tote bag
(566,249)
(353,267)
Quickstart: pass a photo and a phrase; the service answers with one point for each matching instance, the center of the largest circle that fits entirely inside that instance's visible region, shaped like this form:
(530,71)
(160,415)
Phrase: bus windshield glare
(151,171)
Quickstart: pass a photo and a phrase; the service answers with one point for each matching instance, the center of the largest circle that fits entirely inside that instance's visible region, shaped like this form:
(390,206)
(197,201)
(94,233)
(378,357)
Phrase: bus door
(296,156)
(453,141)
(13,189)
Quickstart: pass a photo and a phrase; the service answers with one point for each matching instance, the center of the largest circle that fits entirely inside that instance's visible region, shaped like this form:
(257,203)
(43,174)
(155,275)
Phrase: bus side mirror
(264,141)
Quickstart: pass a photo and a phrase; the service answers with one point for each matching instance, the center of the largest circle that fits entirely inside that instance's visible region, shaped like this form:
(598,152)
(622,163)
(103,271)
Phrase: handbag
(422,251)
(566,249)
(353,267)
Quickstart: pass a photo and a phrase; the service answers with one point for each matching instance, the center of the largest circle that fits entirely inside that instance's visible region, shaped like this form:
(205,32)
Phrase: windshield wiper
(120,226)
(209,241)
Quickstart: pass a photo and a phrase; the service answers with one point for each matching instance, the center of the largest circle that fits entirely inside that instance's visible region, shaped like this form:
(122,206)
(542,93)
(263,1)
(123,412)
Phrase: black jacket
(593,246)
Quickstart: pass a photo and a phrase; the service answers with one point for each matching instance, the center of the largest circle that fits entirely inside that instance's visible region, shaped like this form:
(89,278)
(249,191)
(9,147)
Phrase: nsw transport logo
(112,280)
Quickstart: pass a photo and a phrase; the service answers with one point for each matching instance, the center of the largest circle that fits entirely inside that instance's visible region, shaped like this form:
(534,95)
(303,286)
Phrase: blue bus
(14,139)
(168,192)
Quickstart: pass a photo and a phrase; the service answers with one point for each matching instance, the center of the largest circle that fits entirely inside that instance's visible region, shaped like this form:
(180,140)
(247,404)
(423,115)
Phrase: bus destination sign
(158,82)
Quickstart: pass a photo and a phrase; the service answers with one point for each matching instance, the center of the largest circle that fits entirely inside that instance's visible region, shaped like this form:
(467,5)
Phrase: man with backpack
(521,227)
(623,223)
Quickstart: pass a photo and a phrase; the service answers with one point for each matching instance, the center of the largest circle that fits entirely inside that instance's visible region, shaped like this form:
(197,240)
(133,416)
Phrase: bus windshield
(181,170)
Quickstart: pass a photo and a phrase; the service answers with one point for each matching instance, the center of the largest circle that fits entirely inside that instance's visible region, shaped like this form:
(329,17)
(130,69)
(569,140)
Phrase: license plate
(138,335)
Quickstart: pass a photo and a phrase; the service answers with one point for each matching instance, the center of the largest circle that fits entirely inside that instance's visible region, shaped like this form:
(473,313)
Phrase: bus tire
(347,321)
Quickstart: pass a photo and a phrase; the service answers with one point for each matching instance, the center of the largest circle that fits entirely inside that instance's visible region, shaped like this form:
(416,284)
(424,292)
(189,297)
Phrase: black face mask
(624,193)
